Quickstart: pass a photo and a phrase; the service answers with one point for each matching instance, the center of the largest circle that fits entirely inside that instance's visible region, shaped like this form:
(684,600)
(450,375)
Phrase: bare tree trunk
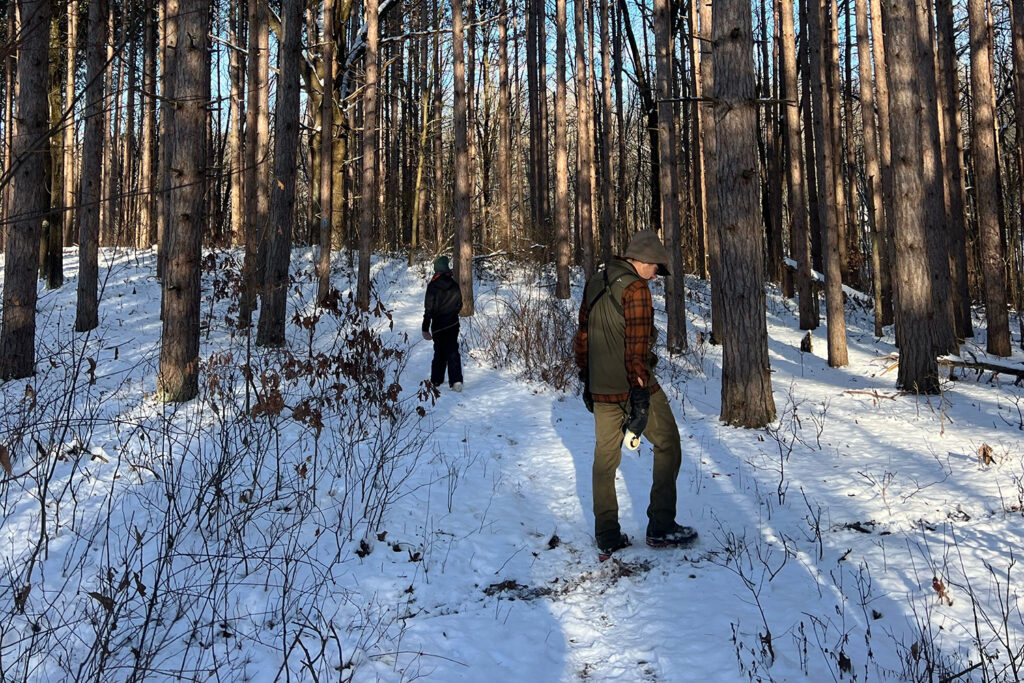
(801,242)
(876,214)
(323,268)
(236,153)
(257,150)
(368,198)
(710,140)
(178,379)
(814,183)
(87,316)
(827,202)
(918,371)
(697,147)
(607,179)
(147,195)
(169,51)
(70,177)
(29,198)
(584,141)
(463,219)
(1017,7)
(885,159)
(675,295)
(746,376)
(953,166)
(854,230)
(504,146)
(274,297)
(834,131)
(622,207)
(936,203)
(562,225)
(986,171)
(51,246)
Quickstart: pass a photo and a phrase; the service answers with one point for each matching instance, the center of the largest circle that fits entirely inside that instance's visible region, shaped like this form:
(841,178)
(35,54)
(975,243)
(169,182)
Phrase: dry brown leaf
(5,460)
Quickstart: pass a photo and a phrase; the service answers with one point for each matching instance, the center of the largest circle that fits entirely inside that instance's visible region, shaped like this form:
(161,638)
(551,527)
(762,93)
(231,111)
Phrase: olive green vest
(606,329)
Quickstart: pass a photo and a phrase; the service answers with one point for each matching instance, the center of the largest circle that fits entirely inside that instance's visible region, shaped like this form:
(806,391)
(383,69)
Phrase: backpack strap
(608,290)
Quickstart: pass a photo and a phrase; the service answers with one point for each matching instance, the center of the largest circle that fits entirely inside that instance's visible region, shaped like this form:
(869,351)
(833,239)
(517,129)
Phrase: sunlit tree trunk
(178,379)
(884,159)
(801,243)
(463,219)
(257,151)
(607,179)
(584,141)
(236,153)
(323,267)
(504,147)
(368,191)
(70,155)
(986,171)
(710,140)
(746,380)
(147,167)
(561,160)
(697,146)
(87,315)
(827,202)
(918,371)
(29,198)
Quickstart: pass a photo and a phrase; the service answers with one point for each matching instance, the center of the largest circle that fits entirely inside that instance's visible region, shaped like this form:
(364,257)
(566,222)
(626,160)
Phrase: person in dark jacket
(614,352)
(441,308)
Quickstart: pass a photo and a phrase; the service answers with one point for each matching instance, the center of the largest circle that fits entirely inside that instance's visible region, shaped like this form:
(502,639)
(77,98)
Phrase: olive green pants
(663,434)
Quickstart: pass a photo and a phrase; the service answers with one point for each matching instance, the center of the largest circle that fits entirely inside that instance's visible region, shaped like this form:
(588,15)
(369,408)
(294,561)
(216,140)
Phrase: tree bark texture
(461,198)
(986,171)
(746,380)
(178,379)
(29,198)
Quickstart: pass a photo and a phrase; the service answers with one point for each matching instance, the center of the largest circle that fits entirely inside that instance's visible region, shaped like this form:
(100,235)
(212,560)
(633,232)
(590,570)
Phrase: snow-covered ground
(312,521)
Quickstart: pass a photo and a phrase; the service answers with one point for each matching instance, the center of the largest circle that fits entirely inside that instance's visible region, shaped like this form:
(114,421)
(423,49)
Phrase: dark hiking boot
(605,550)
(677,536)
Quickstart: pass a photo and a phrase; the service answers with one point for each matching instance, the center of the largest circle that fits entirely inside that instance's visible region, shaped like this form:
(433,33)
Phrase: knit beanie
(441,264)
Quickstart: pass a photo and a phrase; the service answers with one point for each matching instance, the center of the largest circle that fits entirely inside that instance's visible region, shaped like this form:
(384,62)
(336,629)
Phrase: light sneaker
(457,387)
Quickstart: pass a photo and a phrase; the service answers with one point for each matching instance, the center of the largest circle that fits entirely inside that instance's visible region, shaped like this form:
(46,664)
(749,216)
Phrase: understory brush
(209,539)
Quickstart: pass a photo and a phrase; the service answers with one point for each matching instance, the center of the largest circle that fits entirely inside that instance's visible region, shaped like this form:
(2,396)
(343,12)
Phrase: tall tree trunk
(697,146)
(70,156)
(746,376)
(854,254)
(827,201)
(29,198)
(801,242)
(52,243)
(876,214)
(169,51)
(1018,99)
(274,297)
(607,179)
(918,370)
(323,268)
(584,141)
(811,142)
(834,131)
(953,166)
(178,379)
(562,226)
(986,170)
(463,219)
(368,198)
(710,140)
(236,151)
(257,151)
(147,167)
(504,145)
(675,295)
(87,314)
(936,198)
(884,158)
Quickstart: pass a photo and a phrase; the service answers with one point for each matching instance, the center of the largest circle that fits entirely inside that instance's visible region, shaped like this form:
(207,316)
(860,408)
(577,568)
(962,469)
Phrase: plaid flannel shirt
(638,309)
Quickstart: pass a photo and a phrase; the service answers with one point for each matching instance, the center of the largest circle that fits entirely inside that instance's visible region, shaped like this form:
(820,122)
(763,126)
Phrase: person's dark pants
(446,356)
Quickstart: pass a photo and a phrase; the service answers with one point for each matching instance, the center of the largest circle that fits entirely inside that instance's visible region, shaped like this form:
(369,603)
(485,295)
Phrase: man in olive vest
(614,351)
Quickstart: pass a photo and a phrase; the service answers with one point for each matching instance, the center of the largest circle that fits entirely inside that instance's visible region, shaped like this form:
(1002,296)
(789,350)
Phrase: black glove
(639,407)
(588,400)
